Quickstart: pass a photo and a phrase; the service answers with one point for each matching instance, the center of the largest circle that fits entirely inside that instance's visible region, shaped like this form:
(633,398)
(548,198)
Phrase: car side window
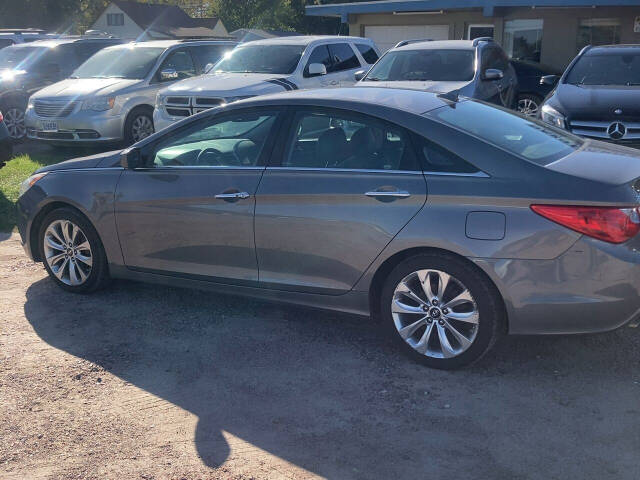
(440,160)
(209,54)
(491,59)
(342,57)
(180,61)
(320,54)
(232,140)
(85,50)
(368,53)
(338,139)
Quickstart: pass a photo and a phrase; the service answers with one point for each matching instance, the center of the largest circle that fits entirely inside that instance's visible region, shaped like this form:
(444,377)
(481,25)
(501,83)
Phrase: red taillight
(611,224)
(1,117)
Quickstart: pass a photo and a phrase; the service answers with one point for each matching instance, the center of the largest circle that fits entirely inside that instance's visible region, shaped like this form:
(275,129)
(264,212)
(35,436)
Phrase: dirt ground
(149,382)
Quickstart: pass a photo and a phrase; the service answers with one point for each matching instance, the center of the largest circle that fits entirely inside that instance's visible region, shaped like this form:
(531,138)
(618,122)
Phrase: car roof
(54,42)
(439,44)
(620,48)
(172,43)
(306,40)
(402,99)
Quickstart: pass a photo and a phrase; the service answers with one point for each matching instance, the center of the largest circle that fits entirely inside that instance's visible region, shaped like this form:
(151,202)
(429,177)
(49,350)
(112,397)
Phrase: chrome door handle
(334,82)
(226,196)
(392,193)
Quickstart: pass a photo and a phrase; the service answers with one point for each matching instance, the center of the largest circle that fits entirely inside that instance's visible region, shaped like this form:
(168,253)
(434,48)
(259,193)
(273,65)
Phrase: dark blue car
(531,92)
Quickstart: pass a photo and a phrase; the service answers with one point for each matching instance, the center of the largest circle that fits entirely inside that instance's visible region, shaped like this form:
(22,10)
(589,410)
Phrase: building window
(598,31)
(523,39)
(477,31)
(115,19)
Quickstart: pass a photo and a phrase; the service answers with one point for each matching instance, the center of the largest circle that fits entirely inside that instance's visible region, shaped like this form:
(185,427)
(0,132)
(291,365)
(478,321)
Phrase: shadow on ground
(328,393)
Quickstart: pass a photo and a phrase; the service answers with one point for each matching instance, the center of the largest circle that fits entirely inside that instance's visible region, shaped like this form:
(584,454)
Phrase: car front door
(497,91)
(319,54)
(339,187)
(189,211)
(344,63)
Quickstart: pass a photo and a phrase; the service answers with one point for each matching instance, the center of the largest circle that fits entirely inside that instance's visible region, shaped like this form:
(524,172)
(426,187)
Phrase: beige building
(550,32)
(146,21)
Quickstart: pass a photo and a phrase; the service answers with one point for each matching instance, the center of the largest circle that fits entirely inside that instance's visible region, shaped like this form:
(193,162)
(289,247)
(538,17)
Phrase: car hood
(229,84)
(80,88)
(431,86)
(105,159)
(598,102)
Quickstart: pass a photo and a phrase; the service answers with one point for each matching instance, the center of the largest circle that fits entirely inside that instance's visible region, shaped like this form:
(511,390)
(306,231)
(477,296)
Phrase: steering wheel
(209,151)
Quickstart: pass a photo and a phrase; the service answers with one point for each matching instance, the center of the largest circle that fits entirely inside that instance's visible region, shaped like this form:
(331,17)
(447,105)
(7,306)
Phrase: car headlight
(551,116)
(99,104)
(30,182)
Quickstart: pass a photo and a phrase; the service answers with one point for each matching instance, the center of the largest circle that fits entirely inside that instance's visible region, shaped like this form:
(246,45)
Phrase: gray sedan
(452,221)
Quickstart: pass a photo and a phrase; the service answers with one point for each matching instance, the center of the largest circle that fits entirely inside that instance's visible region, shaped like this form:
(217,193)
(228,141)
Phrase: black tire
(526,98)
(98,277)
(490,307)
(9,110)
(134,115)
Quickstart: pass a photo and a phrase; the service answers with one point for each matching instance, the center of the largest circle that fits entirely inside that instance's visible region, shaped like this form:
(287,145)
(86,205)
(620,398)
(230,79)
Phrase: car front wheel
(72,252)
(442,310)
(528,104)
(14,120)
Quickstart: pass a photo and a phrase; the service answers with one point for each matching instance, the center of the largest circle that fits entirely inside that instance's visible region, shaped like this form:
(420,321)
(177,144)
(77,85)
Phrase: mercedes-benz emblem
(618,111)
(616,130)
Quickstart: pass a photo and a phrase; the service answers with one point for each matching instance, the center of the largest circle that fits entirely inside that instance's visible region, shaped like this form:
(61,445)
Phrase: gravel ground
(149,382)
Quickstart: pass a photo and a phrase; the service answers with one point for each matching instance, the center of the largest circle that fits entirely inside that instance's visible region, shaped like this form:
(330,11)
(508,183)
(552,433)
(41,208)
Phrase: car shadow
(330,394)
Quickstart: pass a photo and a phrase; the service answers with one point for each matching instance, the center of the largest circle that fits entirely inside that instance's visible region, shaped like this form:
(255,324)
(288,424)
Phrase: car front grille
(613,131)
(53,108)
(187,106)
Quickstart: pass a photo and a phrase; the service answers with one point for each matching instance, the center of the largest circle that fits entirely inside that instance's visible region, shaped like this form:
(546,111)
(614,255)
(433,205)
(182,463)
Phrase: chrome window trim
(333,169)
(200,167)
(479,174)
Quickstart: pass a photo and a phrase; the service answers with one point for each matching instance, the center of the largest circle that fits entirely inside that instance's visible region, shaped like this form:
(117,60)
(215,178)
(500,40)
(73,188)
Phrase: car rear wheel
(14,120)
(72,252)
(442,310)
(528,104)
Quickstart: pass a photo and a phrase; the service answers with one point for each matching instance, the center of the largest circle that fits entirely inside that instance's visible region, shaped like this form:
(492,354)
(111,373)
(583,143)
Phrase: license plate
(49,126)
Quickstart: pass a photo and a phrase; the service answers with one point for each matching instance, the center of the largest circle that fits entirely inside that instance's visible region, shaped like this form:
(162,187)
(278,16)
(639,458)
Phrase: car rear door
(189,211)
(339,187)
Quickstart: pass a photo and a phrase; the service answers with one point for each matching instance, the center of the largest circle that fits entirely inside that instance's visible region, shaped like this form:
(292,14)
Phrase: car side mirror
(168,74)
(316,69)
(550,80)
(493,74)
(131,158)
(359,75)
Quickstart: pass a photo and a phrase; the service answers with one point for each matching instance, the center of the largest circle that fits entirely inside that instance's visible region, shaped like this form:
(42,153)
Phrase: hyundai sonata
(451,220)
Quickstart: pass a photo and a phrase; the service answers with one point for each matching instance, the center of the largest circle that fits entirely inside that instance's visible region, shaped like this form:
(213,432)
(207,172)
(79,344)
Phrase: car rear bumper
(592,287)
(79,127)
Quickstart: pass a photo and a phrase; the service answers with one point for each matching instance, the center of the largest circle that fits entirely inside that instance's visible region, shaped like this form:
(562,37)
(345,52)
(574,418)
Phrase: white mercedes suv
(267,66)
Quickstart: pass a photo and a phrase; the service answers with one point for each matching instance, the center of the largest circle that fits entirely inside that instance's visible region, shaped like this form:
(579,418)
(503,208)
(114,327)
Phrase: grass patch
(13,174)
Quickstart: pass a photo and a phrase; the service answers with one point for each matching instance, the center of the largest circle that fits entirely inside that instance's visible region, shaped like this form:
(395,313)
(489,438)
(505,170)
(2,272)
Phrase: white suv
(267,66)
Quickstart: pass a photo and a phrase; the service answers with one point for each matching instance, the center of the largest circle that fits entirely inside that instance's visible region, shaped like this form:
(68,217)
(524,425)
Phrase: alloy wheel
(528,107)
(68,252)
(435,313)
(14,120)
(141,127)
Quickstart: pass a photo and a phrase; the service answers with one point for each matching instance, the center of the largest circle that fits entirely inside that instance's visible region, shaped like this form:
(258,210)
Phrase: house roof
(384,6)
(167,19)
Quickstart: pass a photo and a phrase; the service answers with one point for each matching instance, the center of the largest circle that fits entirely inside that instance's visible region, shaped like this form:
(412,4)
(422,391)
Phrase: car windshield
(121,62)
(279,59)
(605,68)
(19,58)
(522,136)
(424,65)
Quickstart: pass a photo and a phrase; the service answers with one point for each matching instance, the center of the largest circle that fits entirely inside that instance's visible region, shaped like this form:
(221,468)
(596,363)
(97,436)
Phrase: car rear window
(368,53)
(522,136)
